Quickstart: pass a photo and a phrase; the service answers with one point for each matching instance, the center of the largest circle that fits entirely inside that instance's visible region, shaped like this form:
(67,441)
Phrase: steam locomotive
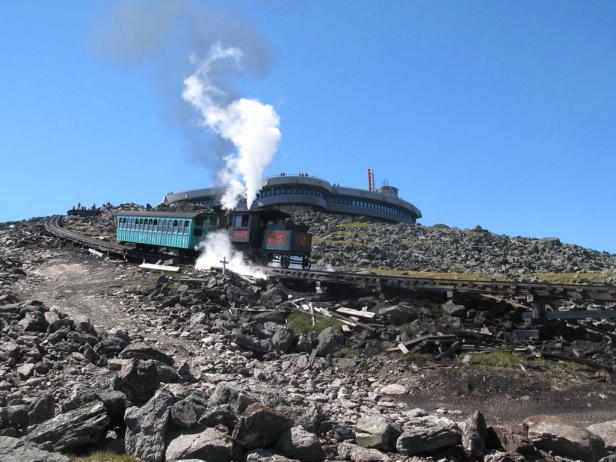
(265,236)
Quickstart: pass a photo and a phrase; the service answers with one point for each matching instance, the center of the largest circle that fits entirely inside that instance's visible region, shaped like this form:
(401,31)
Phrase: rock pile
(348,243)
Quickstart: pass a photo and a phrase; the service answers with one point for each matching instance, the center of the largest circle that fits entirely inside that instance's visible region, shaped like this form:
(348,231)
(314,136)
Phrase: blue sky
(501,114)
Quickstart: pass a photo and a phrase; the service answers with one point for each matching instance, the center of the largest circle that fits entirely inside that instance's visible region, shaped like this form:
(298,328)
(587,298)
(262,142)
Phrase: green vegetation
(571,278)
(413,357)
(301,323)
(105,457)
(498,359)
(506,360)
(354,225)
(427,274)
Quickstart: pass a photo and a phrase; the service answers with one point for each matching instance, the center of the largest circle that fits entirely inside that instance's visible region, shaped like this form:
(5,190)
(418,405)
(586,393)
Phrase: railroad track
(53,225)
(534,291)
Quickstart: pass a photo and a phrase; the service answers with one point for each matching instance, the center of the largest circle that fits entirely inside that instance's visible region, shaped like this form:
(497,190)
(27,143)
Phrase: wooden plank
(152,266)
(358,313)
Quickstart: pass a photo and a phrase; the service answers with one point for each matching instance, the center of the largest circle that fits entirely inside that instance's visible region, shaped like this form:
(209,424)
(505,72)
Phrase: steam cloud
(250,125)
(216,247)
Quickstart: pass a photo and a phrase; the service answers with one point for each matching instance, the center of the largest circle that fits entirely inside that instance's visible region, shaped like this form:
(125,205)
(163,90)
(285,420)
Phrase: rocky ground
(352,243)
(96,354)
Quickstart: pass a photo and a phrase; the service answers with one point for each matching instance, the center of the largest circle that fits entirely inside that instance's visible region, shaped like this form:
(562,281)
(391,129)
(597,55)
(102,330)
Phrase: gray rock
(312,418)
(19,450)
(564,438)
(354,453)
(186,413)
(451,309)
(210,445)
(225,393)
(264,455)
(607,432)
(115,402)
(499,456)
(330,341)
(474,435)
(260,427)
(299,444)
(83,426)
(146,428)
(514,439)
(283,340)
(274,296)
(25,370)
(425,434)
(60,323)
(82,338)
(83,324)
(145,352)
(42,409)
(138,380)
(34,321)
(219,415)
(17,415)
(398,315)
(376,431)
(110,346)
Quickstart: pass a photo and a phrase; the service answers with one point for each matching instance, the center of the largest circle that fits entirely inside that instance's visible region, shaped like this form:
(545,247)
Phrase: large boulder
(210,445)
(514,439)
(429,433)
(354,453)
(376,431)
(83,426)
(115,402)
(138,380)
(34,321)
(283,340)
(474,435)
(564,438)
(19,450)
(607,432)
(110,346)
(145,352)
(237,399)
(42,409)
(187,412)
(260,427)
(146,428)
(330,340)
(299,444)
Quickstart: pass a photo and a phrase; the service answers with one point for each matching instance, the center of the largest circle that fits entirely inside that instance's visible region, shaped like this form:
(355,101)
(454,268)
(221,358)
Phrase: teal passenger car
(165,229)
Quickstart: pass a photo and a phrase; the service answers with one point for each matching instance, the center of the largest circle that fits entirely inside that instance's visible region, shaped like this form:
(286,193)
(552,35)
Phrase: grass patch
(498,359)
(507,360)
(100,456)
(571,278)
(301,323)
(413,357)
(354,225)
(427,274)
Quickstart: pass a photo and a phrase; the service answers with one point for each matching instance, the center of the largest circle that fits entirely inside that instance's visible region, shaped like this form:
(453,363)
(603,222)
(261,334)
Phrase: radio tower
(370,179)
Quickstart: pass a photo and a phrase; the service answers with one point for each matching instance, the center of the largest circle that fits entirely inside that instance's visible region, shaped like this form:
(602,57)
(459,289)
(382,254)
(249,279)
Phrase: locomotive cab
(268,235)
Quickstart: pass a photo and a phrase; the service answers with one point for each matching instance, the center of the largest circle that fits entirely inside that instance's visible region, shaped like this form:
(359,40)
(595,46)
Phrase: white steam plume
(249,124)
(216,247)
